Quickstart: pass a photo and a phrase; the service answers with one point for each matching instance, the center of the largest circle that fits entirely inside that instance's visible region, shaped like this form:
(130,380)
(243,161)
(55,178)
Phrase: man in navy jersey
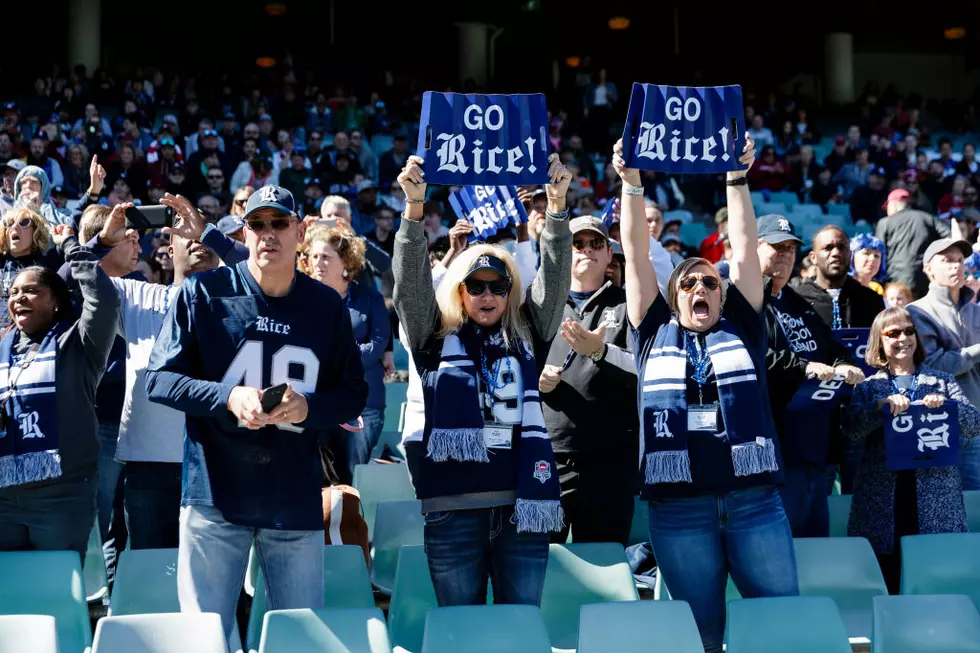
(250,474)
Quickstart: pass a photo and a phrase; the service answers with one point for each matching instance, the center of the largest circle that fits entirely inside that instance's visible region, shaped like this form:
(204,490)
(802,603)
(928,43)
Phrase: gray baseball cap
(941,245)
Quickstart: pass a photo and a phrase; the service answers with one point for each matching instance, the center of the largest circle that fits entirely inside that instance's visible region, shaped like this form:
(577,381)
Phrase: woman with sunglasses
(162,256)
(890,504)
(240,200)
(711,461)
(482,465)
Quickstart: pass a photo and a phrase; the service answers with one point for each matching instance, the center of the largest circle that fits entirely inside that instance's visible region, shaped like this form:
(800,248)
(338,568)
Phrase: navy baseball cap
(488,262)
(230,224)
(270,197)
(776,229)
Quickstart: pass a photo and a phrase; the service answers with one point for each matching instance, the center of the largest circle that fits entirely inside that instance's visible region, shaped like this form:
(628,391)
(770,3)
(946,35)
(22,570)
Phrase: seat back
(579,574)
(395,396)
(379,482)
(345,585)
(789,198)
(94,571)
(186,632)
(844,569)
(662,593)
(971,499)
(771,207)
(943,563)
(397,524)
(640,528)
(811,210)
(485,629)
(28,632)
(801,624)
(411,597)
(638,627)
(330,630)
(47,583)
(839,506)
(146,583)
(937,624)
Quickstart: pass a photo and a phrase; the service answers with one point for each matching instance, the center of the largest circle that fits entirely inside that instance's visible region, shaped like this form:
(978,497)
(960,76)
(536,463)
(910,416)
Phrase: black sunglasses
(161,255)
(278,224)
(498,287)
(689,282)
(896,332)
(595,244)
(240,201)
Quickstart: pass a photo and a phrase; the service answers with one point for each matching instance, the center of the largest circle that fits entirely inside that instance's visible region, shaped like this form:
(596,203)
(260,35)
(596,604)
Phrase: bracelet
(557,216)
(632,190)
(738,181)
(407,201)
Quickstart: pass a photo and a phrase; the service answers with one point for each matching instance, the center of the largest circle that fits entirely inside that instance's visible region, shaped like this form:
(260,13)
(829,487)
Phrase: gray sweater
(950,335)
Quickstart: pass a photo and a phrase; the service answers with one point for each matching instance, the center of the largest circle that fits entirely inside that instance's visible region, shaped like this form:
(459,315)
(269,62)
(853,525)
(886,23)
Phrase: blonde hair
(92,220)
(350,248)
(42,235)
(449,296)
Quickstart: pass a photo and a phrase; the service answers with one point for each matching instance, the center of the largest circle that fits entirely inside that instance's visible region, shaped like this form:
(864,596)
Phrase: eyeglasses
(498,287)
(893,334)
(595,244)
(23,223)
(278,224)
(240,201)
(162,255)
(689,282)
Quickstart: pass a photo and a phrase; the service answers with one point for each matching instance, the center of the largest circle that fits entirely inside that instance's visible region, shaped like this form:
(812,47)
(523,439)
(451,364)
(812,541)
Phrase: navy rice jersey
(222,331)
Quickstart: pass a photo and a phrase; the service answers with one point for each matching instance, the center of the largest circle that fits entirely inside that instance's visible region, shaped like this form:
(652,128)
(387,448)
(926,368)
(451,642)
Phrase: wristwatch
(599,355)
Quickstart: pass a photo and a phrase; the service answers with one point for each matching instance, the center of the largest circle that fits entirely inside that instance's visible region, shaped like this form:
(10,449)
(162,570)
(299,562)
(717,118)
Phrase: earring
(345,274)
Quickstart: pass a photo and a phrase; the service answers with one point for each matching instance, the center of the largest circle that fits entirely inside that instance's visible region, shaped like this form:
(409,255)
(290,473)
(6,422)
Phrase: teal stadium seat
(801,624)
(329,630)
(971,498)
(943,563)
(843,210)
(812,210)
(662,593)
(395,396)
(786,197)
(638,627)
(381,482)
(839,506)
(145,583)
(33,633)
(640,528)
(765,208)
(160,633)
(694,233)
(400,354)
(397,524)
(485,629)
(96,578)
(758,197)
(925,624)
(411,598)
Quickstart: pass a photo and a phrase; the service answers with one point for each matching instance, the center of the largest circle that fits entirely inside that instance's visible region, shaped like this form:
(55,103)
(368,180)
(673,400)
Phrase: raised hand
(412,179)
(96,174)
(60,233)
(629,176)
(747,158)
(114,230)
(581,340)
(558,188)
(190,223)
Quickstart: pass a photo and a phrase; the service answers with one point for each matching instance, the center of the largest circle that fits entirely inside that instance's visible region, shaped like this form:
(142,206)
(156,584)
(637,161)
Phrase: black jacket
(593,409)
(858,305)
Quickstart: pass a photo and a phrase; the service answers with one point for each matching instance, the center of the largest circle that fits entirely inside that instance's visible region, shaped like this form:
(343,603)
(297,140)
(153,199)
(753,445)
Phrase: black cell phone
(136,220)
(271,396)
(149,217)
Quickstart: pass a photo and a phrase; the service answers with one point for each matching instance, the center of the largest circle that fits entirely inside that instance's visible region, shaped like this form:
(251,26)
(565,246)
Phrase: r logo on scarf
(542,471)
(28,425)
(660,423)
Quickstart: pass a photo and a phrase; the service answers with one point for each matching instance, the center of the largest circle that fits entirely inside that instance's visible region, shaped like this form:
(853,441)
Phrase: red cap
(840,140)
(895,195)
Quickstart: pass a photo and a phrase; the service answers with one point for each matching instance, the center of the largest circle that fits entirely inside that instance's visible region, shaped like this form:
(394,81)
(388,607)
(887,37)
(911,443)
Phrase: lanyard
(699,359)
(902,391)
(836,316)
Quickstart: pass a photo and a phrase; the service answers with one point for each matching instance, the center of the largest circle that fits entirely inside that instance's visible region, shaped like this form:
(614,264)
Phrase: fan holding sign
(909,419)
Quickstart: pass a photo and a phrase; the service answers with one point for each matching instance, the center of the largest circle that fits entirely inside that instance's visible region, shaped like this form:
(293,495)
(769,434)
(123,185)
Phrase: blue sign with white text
(922,437)
(684,129)
(484,140)
(856,341)
(488,209)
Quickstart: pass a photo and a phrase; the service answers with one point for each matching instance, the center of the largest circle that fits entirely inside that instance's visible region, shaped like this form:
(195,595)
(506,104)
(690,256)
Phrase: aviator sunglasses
(895,332)
(279,224)
(689,282)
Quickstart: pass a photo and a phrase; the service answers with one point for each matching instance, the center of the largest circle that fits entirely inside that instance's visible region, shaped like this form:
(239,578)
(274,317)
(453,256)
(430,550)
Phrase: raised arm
(100,306)
(190,224)
(746,271)
(640,276)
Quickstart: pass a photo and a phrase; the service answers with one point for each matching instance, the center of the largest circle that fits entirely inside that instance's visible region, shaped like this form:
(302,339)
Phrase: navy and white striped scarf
(29,437)
(665,404)
(457,426)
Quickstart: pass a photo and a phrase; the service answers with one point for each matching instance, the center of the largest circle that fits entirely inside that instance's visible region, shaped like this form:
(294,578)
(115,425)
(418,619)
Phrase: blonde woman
(483,465)
(25,237)
(334,256)
(240,200)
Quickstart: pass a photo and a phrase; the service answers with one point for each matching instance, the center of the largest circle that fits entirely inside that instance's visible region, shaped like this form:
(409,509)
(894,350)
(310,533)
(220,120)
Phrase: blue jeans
(465,547)
(152,502)
(699,541)
(112,526)
(805,500)
(52,517)
(970,463)
(213,556)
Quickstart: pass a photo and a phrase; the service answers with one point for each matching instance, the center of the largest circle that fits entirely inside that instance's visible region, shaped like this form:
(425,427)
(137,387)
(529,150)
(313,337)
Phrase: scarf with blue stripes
(665,403)
(29,434)
(457,422)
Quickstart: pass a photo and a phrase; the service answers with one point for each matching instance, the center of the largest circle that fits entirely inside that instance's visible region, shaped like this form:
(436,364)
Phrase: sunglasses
(595,244)
(893,334)
(278,224)
(217,177)
(240,201)
(689,282)
(23,223)
(161,255)
(498,287)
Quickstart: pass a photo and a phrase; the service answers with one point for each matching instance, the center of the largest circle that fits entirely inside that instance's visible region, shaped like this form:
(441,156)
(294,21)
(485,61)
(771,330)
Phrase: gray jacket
(950,335)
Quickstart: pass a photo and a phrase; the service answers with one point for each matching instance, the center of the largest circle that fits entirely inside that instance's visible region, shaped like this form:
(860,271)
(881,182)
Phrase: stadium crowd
(543,362)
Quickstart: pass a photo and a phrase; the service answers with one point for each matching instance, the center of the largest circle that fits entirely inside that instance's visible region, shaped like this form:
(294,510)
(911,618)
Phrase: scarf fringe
(668,467)
(753,458)
(538,515)
(463,444)
(29,468)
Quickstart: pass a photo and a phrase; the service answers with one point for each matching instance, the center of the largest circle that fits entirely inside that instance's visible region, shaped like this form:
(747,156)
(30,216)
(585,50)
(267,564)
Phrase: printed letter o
(688,115)
(493,108)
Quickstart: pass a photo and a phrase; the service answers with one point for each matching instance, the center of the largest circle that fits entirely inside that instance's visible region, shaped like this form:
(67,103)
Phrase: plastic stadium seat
(638,627)
(485,629)
(96,578)
(809,231)
(972,500)
(661,593)
(840,513)
(411,598)
(28,632)
(786,197)
(846,570)
(331,630)
(685,216)
(395,396)
(694,233)
(381,482)
(839,220)
(48,583)
(640,528)
(925,624)
(766,208)
(400,354)
(812,210)
(397,524)
(801,624)
(146,583)
(945,563)
(345,585)
(579,574)
(758,197)
(160,633)
(381,143)
(843,210)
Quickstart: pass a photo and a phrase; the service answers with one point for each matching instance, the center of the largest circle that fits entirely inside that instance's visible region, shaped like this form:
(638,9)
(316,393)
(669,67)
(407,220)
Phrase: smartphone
(271,396)
(136,220)
(149,217)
